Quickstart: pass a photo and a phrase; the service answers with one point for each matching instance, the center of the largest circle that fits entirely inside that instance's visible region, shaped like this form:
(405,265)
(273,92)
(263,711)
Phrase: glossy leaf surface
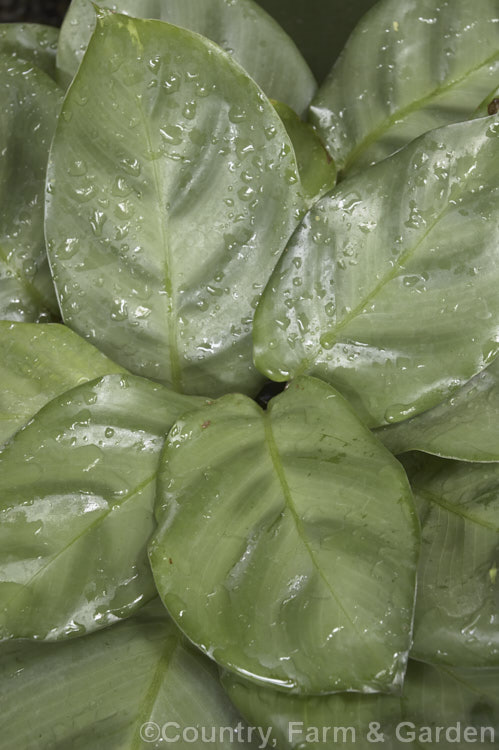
(457,608)
(77,488)
(173,190)
(432,697)
(111,690)
(287,542)
(464,426)
(31,42)
(388,289)
(39,362)
(30,105)
(315,167)
(240,27)
(409,66)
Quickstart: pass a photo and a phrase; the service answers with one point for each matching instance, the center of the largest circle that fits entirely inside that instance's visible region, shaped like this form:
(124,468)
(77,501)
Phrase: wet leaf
(172,192)
(28,115)
(315,167)
(388,289)
(240,27)
(287,542)
(39,362)
(32,42)
(113,689)
(77,488)
(432,697)
(464,426)
(408,67)
(457,609)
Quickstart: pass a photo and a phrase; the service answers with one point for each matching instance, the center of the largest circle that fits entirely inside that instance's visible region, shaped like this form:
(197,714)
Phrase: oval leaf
(457,609)
(463,427)
(287,542)
(395,307)
(77,488)
(30,105)
(113,690)
(409,66)
(39,362)
(316,169)
(173,190)
(240,27)
(431,698)
(32,42)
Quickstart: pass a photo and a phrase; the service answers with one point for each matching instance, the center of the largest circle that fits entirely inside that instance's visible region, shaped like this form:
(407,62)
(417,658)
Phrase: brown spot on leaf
(493,107)
(205,425)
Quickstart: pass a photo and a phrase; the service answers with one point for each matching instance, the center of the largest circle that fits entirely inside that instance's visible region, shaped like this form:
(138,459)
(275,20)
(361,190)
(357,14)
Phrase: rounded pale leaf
(240,27)
(464,427)
(431,698)
(130,686)
(28,115)
(388,289)
(172,192)
(287,542)
(409,66)
(457,608)
(39,362)
(77,488)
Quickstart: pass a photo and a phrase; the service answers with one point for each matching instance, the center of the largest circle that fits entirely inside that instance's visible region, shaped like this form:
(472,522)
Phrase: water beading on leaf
(77,488)
(388,289)
(28,116)
(409,66)
(240,27)
(287,542)
(39,362)
(173,189)
(31,42)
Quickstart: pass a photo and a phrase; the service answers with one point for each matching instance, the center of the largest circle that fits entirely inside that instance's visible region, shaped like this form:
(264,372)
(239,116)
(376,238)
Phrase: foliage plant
(187,218)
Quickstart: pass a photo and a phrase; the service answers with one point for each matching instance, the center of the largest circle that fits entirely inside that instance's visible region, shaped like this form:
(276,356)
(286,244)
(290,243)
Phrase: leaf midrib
(403,112)
(279,469)
(456,510)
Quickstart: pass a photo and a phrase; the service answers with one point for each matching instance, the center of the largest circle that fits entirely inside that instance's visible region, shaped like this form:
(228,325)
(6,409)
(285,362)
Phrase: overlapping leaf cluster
(173,233)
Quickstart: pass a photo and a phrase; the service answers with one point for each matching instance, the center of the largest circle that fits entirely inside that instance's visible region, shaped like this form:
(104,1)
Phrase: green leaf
(320,29)
(432,697)
(99,692)
(32,42)
(463,427)
(172,192)
(39,362)
(409,66)
(457,607)
(30,104)
(388,289)
(77,488)
(315,167)
(240,27)
(287,542)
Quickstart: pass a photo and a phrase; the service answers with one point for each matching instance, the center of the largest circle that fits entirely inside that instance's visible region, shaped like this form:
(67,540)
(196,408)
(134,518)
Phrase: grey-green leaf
(125,687)
(316,169)
(31,42)
(28,115)
(287,542)
(457,608)
(241,27)
(464,427)
(173,189)
(77,488)
(457,700)
(39,362)
(388,289)
(409,66)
